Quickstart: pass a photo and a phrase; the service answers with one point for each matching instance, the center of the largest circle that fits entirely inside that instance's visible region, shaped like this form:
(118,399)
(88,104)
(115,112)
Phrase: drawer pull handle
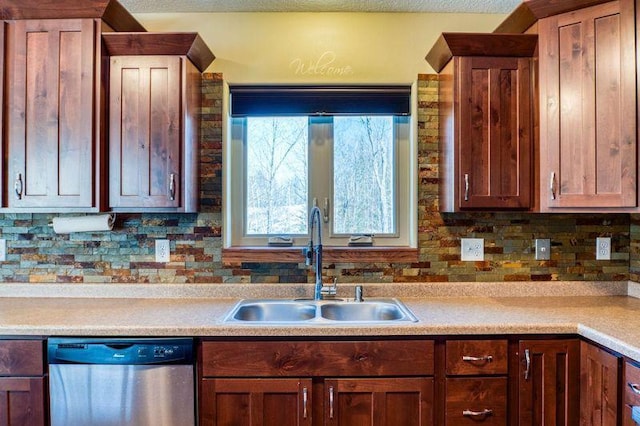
(635,387)
(330,402)
(552,185)
(305,399)
(486,358)
(527,359)
(483,413)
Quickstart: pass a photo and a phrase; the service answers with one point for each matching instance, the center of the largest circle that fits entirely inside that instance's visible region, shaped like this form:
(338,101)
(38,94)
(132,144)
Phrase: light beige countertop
(602,312)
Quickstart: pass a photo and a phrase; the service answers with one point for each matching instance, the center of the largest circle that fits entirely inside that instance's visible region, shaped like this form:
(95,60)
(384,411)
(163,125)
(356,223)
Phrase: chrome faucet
(320,289)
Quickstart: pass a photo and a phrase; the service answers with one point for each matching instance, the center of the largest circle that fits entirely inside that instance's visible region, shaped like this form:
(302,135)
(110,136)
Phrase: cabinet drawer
(473,357)
(631,384)
(21,357)
(476,400)
(323,358)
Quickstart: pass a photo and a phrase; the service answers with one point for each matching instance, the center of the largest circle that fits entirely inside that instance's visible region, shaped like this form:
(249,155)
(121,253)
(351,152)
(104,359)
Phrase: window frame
(405,188)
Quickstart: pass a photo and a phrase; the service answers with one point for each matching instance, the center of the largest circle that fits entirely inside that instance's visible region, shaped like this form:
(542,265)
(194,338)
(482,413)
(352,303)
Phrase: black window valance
(319,100)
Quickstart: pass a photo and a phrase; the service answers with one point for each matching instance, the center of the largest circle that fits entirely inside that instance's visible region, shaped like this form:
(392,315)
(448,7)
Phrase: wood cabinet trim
(110,11)
(449,45)
(190,45)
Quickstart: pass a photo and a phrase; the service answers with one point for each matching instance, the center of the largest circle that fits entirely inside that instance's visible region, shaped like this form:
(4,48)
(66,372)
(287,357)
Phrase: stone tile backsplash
(36,254)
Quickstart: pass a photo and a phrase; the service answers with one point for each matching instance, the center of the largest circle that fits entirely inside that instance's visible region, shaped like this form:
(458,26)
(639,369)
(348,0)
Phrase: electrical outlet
(603,248)
(471,249)
(543,249)
(3,250)
(162,251)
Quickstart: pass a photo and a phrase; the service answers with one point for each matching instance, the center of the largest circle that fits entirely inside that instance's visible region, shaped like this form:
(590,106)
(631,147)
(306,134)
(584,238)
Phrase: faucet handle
(358,294)
(330,290)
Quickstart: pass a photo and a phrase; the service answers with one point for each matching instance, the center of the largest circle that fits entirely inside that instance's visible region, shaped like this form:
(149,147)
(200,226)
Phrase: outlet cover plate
(543,249)
(603,248)
(163,251)
(471,249)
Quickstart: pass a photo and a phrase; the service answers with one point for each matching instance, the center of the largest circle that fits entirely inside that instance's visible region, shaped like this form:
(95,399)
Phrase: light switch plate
(543,249)
(603,248)
(3,250)
(471,249)
(163,251)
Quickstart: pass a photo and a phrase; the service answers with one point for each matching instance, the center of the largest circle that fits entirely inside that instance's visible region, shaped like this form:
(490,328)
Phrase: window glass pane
(364,167)
(276,175)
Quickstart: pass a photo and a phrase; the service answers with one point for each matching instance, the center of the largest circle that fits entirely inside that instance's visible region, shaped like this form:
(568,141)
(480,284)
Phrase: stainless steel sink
(275,312)
(295,312)
(362,311)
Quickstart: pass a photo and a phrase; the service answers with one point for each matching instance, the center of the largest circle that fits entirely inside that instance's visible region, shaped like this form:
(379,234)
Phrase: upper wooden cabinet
(486,128)
(53,123)
(154,100)
(52,131)
(588,153)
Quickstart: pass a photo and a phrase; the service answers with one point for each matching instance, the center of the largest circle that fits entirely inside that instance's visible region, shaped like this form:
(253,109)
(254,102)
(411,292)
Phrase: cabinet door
(256,402)
(379,402)
(50,113)
(145,131)
(598,386)
(588,108)
(21,401)
(495,131)
(549,382)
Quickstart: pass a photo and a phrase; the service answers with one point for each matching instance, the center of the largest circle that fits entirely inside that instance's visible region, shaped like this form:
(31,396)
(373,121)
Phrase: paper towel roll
(65,225)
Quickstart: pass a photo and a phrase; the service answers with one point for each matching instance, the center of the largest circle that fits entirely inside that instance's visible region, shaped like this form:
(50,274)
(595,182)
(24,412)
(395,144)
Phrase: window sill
(329,254)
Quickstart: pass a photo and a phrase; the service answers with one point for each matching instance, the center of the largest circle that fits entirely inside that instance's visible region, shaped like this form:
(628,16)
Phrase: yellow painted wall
(320,47)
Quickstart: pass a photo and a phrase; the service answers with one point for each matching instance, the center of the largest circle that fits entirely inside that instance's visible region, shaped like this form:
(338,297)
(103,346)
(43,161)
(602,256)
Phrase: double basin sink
(299,312)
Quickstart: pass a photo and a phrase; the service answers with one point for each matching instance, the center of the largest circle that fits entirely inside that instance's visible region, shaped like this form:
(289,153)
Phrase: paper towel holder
(86,223)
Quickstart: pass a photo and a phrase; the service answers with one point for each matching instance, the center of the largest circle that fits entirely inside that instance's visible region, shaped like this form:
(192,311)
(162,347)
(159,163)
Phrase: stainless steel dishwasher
(121,382)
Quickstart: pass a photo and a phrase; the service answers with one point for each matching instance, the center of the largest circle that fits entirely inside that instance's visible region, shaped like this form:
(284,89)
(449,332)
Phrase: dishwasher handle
(120,351)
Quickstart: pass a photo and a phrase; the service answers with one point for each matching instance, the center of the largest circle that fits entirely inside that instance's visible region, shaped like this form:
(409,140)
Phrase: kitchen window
(347,150)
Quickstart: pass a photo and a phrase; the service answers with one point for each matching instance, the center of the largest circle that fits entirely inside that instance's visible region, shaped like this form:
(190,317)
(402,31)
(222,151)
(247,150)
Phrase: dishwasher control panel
(120,351)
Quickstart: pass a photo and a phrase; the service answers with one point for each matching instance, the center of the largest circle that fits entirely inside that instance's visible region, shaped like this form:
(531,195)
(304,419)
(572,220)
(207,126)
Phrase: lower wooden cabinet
(331,383)
(256,402)
(379,402)
(549,382)
(22,385)
(22,401)
(598,386)
(460,381)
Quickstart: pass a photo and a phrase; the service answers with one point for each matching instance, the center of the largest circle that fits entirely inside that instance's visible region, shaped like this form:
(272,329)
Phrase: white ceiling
(434,6)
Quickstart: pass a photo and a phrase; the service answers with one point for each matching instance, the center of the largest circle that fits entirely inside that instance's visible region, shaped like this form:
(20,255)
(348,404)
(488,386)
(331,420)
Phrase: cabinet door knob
(466,186)
(172,186)
(483,413)
(486,358)
(17,186)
